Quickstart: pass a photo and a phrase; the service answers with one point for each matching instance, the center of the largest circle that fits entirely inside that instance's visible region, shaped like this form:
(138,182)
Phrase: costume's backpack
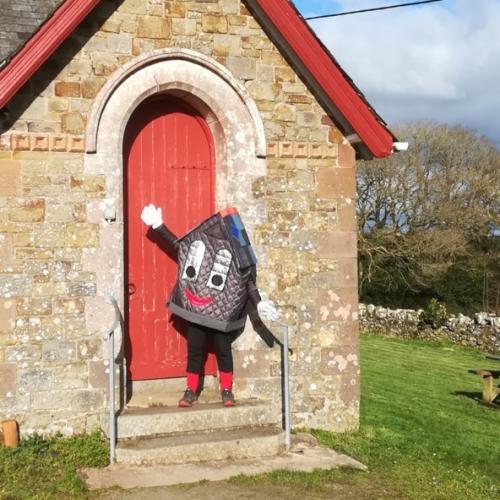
(216,270)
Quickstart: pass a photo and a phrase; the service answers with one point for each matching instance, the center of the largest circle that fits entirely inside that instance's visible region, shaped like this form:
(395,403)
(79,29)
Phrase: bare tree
(428,211)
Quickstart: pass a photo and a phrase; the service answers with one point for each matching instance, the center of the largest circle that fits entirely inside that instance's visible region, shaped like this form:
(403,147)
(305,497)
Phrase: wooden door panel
(168,154)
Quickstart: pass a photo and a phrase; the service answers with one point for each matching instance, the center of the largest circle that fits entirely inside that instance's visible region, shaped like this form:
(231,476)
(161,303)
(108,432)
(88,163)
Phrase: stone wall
(482,331)
(52,374)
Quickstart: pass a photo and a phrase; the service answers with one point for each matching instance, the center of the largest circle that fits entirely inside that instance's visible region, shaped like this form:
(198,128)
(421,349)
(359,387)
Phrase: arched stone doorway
(239,151)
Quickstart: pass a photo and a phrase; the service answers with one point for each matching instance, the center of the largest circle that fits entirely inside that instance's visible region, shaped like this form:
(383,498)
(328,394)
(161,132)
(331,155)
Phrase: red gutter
(41,45)
(328,76)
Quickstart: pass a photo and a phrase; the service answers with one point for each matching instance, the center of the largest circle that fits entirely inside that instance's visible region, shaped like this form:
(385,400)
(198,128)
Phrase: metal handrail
(286,384)
(109,337)
(286,376)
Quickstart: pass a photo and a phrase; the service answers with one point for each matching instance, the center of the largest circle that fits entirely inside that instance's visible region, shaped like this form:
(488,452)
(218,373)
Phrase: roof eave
(41,46)
(337,94)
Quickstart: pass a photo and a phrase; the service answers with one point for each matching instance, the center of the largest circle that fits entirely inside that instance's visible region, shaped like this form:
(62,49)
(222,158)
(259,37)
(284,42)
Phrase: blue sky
(436,62)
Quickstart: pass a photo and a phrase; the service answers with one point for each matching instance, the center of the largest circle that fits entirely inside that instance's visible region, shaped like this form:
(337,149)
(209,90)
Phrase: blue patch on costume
(239,241)
(238,230)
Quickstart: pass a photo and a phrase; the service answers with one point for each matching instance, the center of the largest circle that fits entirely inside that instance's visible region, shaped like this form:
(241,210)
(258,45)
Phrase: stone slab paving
(305,455)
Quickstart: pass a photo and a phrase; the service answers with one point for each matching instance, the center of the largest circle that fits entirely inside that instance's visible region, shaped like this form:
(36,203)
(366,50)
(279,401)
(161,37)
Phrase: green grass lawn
(423,434)
(422,427)
(40,469)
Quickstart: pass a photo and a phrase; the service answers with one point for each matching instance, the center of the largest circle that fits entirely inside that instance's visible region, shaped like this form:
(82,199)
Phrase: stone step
(205,446)
(167,392)
(157,421)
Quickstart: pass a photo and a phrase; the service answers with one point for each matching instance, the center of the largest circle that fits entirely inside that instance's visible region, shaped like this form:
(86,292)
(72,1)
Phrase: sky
(437,62)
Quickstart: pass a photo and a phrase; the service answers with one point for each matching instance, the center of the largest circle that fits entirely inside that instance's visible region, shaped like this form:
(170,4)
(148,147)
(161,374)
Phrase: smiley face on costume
(215,263)
(218,273)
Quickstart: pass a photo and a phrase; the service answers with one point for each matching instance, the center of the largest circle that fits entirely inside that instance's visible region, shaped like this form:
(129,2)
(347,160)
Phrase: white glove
(267,310)
(151,216)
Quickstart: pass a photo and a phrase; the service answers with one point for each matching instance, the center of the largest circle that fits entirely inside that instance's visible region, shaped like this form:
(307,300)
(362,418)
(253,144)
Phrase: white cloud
(436,62)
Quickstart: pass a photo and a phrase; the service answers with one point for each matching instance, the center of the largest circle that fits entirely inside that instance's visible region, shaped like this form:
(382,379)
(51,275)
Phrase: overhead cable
(371,10)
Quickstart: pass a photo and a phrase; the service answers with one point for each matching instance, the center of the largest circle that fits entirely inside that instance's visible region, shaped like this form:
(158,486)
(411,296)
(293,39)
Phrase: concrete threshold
(305,455)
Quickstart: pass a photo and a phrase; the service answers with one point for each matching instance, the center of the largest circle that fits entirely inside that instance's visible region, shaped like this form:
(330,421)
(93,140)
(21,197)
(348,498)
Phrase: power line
(371,10)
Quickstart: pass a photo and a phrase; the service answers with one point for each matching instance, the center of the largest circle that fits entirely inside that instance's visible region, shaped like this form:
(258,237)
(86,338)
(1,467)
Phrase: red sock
(226,380)
(192,381)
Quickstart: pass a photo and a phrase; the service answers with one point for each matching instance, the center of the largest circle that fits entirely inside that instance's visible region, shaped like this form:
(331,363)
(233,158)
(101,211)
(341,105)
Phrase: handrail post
(286,383)
(112,417)
(110,338)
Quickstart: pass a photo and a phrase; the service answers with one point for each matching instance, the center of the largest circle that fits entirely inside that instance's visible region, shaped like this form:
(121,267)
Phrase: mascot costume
(216,278)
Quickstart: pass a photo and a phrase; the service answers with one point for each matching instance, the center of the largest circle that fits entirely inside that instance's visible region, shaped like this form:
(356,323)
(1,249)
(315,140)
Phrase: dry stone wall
(52,370)
(482,331)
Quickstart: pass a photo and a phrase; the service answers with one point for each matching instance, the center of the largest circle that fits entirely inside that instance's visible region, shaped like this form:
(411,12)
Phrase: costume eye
(218,274)
(217,280)
(193,260)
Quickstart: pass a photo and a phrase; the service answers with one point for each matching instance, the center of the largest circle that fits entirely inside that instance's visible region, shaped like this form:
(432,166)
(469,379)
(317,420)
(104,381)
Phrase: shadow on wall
(48,72)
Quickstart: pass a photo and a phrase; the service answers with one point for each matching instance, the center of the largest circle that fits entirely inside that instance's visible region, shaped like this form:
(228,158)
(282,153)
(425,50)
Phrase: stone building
(195,106)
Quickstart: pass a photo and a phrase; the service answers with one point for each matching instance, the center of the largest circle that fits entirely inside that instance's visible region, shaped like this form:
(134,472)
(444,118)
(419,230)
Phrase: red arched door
(169,161)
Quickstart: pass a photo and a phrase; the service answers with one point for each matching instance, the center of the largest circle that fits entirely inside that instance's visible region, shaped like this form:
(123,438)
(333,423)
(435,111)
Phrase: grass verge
(423,435)
(423,432)
(46,469)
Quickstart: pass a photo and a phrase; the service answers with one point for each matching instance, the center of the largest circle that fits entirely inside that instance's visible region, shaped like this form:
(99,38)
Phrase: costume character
(216,278)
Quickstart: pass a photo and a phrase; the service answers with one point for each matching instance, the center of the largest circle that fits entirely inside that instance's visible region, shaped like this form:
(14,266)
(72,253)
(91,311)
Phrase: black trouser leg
(223,351)
(196,337)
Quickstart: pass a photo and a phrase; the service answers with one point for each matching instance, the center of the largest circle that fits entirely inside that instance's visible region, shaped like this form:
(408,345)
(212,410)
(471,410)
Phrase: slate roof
(19,19)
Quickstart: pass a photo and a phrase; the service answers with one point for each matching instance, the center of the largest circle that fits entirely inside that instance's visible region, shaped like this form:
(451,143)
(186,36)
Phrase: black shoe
(227,398)
(188,399)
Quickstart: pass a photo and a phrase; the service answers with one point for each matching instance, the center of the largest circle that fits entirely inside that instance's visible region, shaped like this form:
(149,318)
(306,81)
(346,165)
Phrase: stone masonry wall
(51,362)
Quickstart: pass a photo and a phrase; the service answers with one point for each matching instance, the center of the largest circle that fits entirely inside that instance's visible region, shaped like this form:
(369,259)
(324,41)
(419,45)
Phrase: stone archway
(239,142)
(201,66)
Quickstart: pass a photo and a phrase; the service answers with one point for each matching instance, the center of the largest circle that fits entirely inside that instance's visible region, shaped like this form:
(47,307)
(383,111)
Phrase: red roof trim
(41,45)
(329,77)
(281,13)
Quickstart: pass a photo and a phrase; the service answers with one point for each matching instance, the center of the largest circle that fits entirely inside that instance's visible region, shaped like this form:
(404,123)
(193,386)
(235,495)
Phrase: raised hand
(152,216)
